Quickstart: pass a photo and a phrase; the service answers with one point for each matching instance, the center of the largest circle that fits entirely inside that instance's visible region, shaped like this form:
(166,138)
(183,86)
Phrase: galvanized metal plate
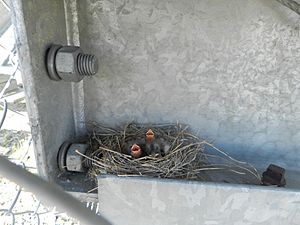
(135,200)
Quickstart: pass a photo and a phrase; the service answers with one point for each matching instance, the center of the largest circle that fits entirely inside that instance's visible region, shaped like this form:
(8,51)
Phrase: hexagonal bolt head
(69,63)
(70,157)
(74,161)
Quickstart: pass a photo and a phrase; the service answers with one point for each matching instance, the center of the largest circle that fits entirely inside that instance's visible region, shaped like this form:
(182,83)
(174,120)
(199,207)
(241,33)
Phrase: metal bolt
(87,64)
(69,63)
(70,157)
(274,175)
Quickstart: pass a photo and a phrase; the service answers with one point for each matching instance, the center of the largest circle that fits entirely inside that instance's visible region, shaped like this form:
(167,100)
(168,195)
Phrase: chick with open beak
(136,151)
(148,146)
(152,147)
(150,136)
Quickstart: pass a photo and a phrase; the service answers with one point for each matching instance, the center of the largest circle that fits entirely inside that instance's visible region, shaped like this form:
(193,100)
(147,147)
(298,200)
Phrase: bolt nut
(75,161)
(69,63)
(66,63)
(274,175)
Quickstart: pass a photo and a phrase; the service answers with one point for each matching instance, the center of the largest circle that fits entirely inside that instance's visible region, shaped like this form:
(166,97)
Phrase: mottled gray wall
(229,68)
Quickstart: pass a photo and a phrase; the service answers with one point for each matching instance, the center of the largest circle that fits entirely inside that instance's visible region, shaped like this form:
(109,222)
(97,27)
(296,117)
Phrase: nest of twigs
(189,157)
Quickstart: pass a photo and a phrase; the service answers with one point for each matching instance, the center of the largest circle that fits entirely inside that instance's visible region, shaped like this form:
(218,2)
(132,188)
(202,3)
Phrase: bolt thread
(87,65)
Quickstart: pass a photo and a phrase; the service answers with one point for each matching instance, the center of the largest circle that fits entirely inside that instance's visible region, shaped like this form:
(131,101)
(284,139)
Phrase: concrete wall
(229,68)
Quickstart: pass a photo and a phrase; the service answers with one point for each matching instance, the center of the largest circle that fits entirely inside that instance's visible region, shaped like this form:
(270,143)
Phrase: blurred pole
(5,5)
(50,193)
(291,4)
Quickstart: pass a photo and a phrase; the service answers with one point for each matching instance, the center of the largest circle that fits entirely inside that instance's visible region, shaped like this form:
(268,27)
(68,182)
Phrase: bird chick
(156,146)
(135,148)
(136,151)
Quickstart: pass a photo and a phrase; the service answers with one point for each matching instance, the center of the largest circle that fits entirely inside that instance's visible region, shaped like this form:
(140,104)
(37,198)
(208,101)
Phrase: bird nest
(189,157)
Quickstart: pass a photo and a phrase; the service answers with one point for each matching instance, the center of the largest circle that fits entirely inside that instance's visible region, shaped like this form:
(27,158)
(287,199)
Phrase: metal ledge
(135,200)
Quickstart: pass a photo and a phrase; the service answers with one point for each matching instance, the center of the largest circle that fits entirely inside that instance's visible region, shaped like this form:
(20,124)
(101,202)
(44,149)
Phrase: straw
(189,156)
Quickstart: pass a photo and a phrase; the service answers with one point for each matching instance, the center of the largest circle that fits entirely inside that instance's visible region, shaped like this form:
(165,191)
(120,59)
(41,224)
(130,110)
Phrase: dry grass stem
(189,156)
